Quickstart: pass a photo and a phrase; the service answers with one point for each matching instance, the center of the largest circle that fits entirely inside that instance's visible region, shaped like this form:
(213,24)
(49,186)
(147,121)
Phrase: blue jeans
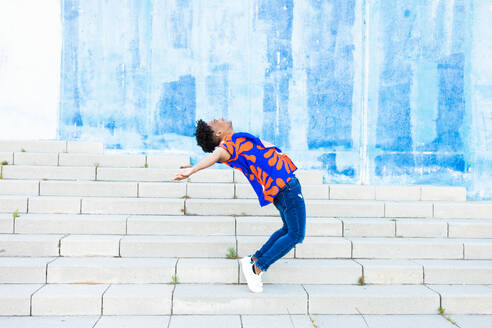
(290,203)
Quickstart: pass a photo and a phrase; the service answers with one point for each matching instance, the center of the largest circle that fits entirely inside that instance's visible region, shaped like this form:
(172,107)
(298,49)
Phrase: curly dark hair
(205,136)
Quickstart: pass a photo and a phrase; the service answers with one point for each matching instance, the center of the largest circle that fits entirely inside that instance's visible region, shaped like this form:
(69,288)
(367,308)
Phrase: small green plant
(312,321)
(96,165)
(5,163)
(393,220)
(146,165)
(23,150)
(16,213)
(361,281)
(231,253)
(441,310)
(174,280)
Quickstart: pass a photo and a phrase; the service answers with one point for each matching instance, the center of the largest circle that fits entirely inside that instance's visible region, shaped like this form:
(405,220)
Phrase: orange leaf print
(269,153)
(280,183)
(265,181)
(251,158)
(279,163)
(245,147)
(240,147)
(289,166)
(271,191)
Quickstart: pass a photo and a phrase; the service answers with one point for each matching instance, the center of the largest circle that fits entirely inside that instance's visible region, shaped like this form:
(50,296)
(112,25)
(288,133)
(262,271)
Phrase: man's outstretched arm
(219,154)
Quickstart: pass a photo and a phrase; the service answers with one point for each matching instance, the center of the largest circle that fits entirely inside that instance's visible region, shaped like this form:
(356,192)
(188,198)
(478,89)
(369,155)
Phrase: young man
(270,173)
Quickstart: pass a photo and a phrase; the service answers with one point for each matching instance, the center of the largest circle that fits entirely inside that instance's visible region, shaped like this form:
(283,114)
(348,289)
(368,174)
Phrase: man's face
(220,125)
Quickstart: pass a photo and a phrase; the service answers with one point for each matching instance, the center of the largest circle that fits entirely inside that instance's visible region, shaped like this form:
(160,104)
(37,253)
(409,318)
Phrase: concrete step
(9,204)
(250,321)
(176,246)
(181,225)
(92,205)
(465,299)
(344,208)
(6,157)
(397,248)
(29,245)
(411,193)
(80,270)
(164,299)
(88,188)
(158,172)
(470,228)
(48,172)
(399,299)
(221,270)
(218,180)
(19,187)
(456,210)
(24,270)
(31,158)
(150,189)
(314,208)
(456,272)
(245,226)
(51,146)
(123,160)
(102,160)
(74,299)
(70,224)
(217,246)
(232,299)
(15,299)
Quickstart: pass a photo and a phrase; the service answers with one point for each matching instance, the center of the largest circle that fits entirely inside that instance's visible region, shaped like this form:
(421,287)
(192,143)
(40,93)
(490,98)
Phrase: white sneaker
(254,280)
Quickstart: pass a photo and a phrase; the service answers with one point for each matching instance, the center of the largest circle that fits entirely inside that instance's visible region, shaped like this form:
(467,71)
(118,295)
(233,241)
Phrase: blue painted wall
(371,91)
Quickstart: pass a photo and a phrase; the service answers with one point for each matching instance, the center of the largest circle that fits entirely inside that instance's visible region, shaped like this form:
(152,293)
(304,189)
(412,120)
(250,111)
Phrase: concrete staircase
(90,238)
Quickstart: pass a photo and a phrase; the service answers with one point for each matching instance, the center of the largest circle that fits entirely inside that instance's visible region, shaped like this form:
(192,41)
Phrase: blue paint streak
(181,24)
(278,14)
(330,77)
(69,111)
(217,89)
(177,107)
(330,81)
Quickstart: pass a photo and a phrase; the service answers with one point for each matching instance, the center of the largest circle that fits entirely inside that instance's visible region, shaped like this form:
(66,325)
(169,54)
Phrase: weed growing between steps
(441,312)
(312,321)
(16,213)
(231,254)
(1,168)
(174,280)
(23,150)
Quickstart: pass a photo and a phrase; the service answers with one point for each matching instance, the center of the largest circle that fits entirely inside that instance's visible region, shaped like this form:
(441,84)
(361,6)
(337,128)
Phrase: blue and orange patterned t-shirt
(266,168)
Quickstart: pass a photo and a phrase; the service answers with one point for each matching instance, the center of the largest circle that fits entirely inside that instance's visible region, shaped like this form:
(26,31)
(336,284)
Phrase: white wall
(30,51)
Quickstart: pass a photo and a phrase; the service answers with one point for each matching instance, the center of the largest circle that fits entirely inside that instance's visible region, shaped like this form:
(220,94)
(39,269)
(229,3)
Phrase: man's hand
(186,171)
(211,159)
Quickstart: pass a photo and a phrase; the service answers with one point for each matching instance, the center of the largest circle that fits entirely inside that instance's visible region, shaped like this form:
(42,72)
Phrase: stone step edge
(310,295)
